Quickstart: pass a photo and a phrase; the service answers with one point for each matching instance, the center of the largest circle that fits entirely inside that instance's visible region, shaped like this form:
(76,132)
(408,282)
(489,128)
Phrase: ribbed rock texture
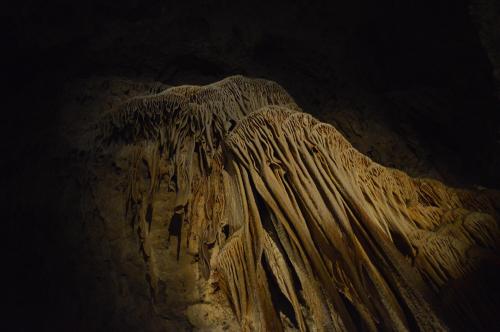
(291,224)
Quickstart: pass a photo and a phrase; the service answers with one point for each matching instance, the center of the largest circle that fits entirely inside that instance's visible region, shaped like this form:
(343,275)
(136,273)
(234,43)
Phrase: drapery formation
(298,228)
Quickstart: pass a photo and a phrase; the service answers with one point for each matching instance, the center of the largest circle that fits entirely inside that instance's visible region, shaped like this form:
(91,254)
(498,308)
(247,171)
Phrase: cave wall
(409,83)
(421,66)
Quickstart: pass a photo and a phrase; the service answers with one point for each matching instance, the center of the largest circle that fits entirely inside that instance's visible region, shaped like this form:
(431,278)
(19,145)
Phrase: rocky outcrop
(278,214)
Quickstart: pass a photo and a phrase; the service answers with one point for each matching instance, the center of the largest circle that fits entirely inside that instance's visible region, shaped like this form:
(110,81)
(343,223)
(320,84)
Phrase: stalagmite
(299,229)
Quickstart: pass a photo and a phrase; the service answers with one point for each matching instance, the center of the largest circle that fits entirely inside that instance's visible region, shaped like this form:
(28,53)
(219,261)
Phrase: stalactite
(300,229)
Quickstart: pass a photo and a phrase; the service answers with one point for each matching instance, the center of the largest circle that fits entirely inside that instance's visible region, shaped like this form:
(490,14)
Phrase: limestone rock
(289,223)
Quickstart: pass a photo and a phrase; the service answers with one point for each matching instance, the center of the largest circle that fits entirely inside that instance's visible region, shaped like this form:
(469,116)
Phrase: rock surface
(410,84)
(164,211)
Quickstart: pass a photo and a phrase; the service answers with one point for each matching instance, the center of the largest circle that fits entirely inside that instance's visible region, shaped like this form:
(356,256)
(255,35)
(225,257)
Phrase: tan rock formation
(297,228)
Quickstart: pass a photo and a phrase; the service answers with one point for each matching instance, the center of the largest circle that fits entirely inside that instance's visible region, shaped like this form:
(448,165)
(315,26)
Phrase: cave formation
(294,227)
(355,193)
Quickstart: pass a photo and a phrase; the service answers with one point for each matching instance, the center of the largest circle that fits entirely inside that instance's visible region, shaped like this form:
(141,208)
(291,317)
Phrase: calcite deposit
(291,227)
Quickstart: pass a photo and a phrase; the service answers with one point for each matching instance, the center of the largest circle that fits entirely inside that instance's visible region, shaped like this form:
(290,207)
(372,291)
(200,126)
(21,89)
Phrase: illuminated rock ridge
(297,228)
